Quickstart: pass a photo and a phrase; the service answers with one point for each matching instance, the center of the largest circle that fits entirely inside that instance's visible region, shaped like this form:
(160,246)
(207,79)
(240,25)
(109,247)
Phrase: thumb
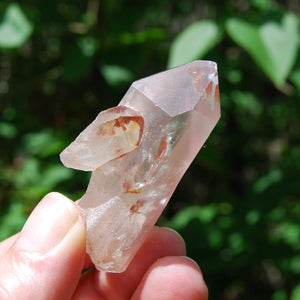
(46,260)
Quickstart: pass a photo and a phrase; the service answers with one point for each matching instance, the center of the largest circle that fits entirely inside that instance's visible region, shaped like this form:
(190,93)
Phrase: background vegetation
(62,62)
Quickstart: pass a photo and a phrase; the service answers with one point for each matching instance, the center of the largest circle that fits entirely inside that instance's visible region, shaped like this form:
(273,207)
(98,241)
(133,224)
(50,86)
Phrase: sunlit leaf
(193,42)
(54,175)
(273,44)
(267,180)
(236,242)
(252,217)
(15,28)
(42,143)
(295,295)
(88,46)
(29,174)
(204,214)
(279,295)
(7,130)
(262,4)
(290,233)
(142,36)
(115,75)
(246,102)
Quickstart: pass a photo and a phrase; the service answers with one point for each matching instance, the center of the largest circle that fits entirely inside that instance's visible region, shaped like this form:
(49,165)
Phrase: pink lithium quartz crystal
(138,152)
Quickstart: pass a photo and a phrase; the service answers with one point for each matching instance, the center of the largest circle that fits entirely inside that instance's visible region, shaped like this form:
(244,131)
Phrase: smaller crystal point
(115,132)
(138,152)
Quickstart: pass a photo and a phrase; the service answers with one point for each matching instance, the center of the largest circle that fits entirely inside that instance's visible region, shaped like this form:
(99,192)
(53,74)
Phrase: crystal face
(138,152)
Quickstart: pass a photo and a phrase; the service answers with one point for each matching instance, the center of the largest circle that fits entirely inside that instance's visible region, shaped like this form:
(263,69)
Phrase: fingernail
(48,224)
(194,263)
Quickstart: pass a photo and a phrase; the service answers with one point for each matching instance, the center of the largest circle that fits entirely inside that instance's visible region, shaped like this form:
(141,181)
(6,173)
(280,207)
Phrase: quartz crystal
(138,152)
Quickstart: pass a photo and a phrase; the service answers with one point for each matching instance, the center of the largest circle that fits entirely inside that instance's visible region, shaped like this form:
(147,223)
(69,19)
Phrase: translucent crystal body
(138,152)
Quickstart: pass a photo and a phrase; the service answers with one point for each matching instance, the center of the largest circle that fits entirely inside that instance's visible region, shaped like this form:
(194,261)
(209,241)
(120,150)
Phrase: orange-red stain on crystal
(124,122)
(200,80)
(135,207)
(129,189)
(162,148)
(217,93)
(210,87)
(208,90)
(107,128)
(118,151)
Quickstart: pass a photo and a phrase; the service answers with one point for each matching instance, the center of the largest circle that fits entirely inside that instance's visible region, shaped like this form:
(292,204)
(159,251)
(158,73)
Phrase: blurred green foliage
(238,208)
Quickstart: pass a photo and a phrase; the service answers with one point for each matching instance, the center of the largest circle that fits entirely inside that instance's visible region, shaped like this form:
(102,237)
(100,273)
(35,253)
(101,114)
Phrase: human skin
(46,259)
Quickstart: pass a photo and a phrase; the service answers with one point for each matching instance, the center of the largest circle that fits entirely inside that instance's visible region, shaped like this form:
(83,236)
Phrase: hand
(45,261)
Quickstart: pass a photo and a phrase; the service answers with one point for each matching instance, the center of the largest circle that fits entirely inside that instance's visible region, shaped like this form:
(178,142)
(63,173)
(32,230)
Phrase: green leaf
(42,143)
(7,130)
(29,174)
(15,28)
(115,75)
(273,45)
(204,214)
(263,4)
(53,175)
(295,295)
(279,295)
(295,264)
(267,180)
(246,35)
(193,42)
(246,102)
(142,36)
(290,232)
(295,78)
(281,41)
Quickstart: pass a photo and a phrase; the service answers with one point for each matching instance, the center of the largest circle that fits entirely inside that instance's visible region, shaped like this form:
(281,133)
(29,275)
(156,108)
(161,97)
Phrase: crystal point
(138,152)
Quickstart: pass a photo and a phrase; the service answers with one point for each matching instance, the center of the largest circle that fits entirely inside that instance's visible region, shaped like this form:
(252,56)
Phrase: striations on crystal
(138,152)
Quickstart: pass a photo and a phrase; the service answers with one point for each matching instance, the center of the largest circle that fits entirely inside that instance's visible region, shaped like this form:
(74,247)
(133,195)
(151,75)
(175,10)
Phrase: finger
(87,262)
(161,242)
(6,244)
(87,288)
(46,259)
(172,278)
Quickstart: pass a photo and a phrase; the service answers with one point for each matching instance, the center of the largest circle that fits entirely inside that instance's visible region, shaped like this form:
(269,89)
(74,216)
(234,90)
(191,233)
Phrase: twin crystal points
(138,152)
